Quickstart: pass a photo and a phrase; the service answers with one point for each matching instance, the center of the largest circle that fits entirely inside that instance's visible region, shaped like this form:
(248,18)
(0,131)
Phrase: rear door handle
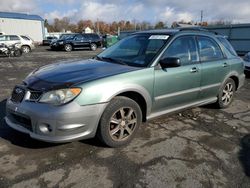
(193,70)
(225,64)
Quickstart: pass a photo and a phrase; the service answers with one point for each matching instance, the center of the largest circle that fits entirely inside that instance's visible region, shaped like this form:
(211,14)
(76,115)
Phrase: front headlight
(60,96)
(61,42)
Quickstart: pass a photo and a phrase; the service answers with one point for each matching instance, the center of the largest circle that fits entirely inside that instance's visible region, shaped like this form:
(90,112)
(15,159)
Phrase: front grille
(35,95)
(17,94)
(23,121)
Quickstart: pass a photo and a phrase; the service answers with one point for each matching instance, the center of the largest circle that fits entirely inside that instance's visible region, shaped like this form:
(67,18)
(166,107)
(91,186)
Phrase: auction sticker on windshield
(159,37)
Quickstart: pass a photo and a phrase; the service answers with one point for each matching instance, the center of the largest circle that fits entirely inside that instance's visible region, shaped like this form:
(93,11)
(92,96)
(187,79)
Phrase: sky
(140,10)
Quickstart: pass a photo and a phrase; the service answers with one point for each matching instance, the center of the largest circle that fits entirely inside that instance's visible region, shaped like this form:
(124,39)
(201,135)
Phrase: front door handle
(225,64)
(193,70)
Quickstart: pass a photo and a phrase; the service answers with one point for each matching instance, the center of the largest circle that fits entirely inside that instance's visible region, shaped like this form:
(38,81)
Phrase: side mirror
(170,62)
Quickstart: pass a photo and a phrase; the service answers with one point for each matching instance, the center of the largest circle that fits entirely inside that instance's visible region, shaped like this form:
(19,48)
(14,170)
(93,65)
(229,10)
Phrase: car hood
(61,75)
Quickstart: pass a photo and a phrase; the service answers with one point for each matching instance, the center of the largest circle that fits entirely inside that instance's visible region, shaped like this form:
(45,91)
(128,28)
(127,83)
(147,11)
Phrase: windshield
(135,50)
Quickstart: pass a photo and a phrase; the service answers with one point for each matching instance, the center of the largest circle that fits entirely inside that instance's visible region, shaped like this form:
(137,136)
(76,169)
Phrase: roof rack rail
(196,29)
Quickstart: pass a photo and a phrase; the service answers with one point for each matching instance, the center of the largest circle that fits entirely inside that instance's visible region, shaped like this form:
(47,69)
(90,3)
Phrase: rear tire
(119,122)
(68,47)
(93,46)
(26,49)
(226,94)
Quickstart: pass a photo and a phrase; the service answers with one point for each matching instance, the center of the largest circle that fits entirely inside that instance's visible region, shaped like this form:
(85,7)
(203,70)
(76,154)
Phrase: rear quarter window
(25,38)
(227,45)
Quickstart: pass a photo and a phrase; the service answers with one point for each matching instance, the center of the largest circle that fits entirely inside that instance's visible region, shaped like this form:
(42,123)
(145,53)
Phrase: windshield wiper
(110,59)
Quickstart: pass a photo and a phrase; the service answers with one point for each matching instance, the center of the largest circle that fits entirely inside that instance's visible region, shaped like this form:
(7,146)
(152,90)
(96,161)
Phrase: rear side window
(209,49)
(14,37)
(25,38)
(94,36)
(87,36)
(79,37)
(183,48)
(227,45)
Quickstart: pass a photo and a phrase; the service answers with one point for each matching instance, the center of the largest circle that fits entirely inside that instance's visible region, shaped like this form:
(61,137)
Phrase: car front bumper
(55,124)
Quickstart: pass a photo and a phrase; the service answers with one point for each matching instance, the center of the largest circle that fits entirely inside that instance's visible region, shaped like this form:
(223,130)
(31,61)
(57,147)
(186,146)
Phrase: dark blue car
(77,41)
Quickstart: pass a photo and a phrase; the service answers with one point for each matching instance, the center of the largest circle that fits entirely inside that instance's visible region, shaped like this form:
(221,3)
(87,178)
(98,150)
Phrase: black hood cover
(61,75)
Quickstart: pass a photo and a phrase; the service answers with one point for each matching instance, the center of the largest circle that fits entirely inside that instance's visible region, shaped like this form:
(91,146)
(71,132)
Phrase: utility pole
(98,29)
(201,16)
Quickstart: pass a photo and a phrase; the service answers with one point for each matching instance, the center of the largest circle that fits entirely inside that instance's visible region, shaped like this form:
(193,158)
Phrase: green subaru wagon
(143,76)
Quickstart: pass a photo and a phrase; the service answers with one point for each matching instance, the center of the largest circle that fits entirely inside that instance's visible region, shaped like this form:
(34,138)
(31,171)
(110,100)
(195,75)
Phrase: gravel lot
(201,147)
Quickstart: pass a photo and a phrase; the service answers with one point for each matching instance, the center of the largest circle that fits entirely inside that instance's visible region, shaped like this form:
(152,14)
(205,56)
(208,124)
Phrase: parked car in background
(77,41)
(143,76)
(247,63)
(49,39)
(26,43)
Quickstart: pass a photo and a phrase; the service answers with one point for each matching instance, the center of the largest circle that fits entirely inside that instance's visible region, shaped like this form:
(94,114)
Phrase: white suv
(26,43)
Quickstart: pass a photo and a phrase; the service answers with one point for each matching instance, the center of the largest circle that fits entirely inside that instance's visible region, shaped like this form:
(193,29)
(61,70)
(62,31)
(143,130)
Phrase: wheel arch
(140,96)
(236,81)
(233,75)
(26,45)
(139,99)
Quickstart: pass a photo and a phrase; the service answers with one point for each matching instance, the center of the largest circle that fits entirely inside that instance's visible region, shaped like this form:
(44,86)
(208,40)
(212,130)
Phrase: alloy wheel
(25,49)
(93,47)
(227,94)
(122,124)
(68,48)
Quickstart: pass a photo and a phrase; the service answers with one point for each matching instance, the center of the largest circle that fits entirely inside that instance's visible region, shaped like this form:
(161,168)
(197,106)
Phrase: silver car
(26,43)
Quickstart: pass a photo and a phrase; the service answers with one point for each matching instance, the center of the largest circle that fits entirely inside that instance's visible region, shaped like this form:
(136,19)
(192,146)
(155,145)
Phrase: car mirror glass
(170,62)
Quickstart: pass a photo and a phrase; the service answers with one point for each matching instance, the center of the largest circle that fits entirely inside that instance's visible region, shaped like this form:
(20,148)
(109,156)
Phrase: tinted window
(183,48)
(209,49)
(94,36)
(87,36)
(227,45)
(14,37)
(79,37)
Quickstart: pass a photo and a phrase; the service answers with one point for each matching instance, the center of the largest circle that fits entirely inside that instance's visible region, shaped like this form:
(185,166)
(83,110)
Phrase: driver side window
(183,48)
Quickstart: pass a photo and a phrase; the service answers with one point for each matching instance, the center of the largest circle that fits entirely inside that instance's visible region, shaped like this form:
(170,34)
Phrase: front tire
(68,47)
(226,93)
(119,122)
(17,53)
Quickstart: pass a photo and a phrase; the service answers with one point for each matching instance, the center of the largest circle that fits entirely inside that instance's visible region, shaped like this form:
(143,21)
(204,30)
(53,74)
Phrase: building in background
(237,34)
(22,24)
(88,30)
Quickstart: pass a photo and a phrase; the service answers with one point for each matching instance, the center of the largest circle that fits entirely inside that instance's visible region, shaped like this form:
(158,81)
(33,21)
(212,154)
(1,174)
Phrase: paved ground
(201,147)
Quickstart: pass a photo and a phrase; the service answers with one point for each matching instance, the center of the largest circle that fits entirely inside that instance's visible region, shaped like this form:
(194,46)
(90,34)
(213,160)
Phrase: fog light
(45,128)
